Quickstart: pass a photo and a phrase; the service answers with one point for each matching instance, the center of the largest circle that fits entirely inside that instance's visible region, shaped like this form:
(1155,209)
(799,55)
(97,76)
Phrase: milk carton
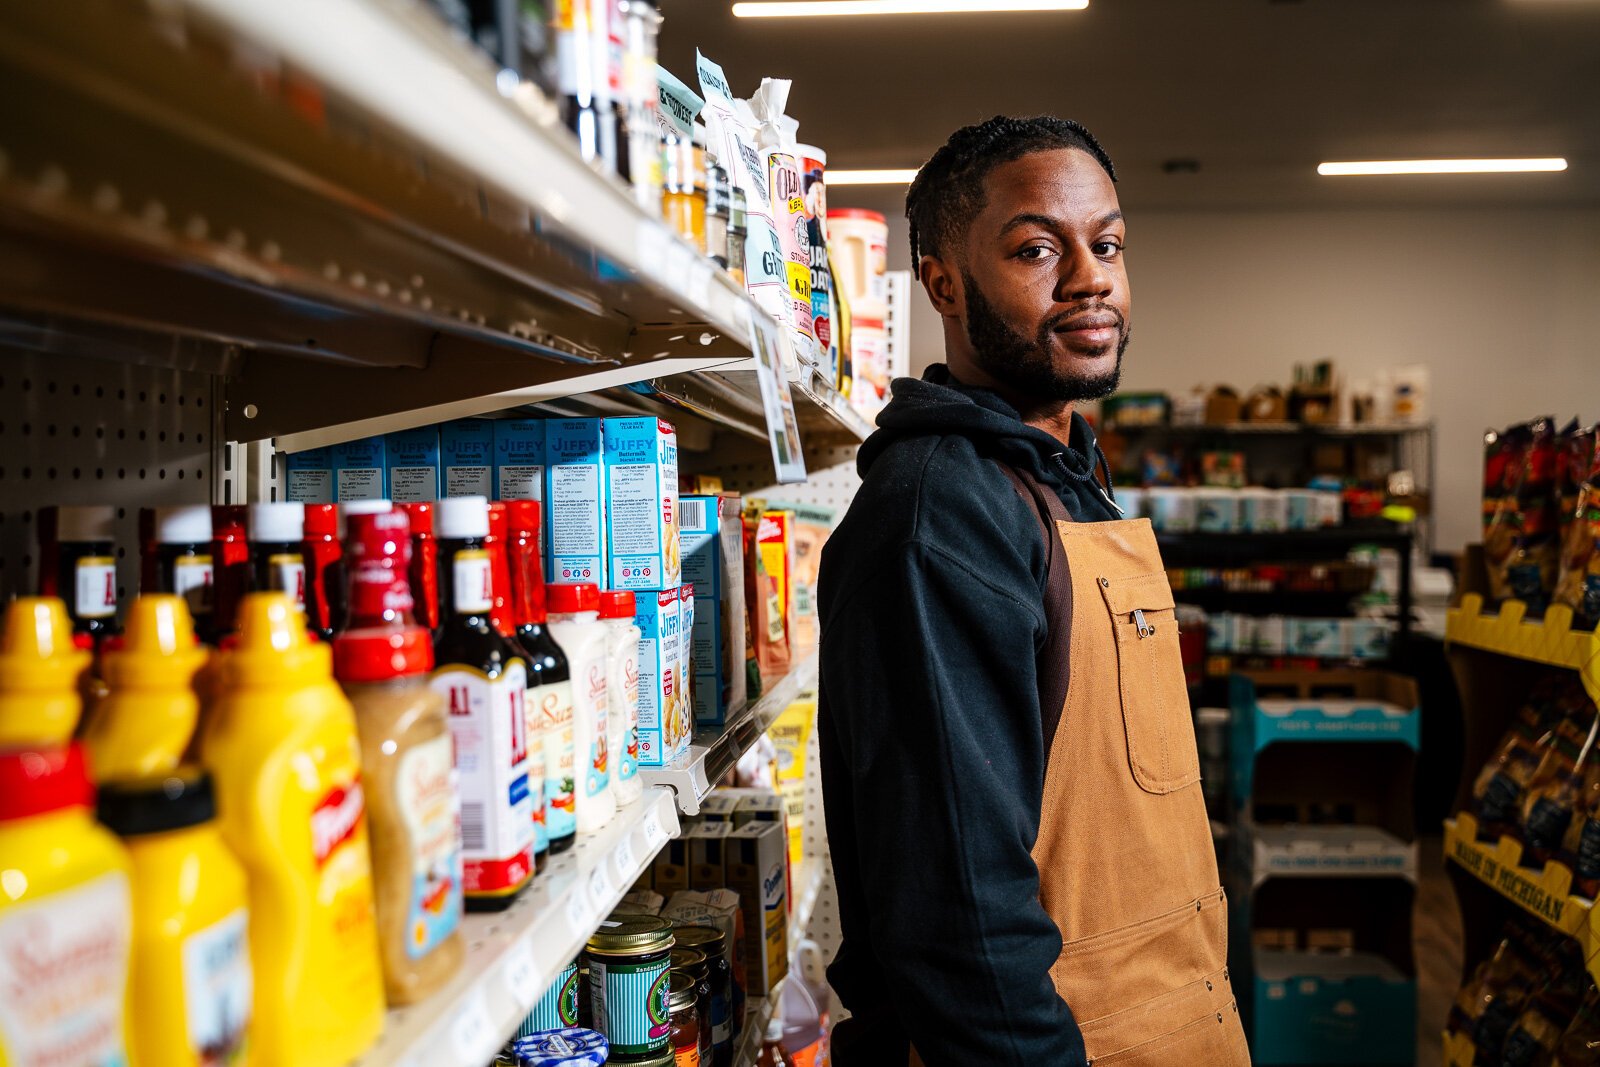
(309,476)
(359,468)
(575,502)
(660,685)
(641,474)
(413,465)
(466,452)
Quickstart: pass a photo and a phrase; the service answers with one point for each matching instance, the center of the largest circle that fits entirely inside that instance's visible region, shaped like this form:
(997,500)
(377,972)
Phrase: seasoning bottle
(282,750)
(484,680)
(575,74)
(643,23)
(628,986)
(549,682)
(325,585)
(424,565)
(230,554)
(86,569)
(277,550)
(146,720)
(39,668)
(183,563)
(575,625)
(683,1006)
(617,611)
(683,185)
(607,22)
(719,211)
(738,231)
(189,1000)
(693,962)
(499,570)
(714,944)
(67,904)
(383,662)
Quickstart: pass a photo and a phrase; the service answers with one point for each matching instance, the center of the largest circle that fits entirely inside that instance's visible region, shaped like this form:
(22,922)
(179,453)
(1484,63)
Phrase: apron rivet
(1219,1016)
(1105,582)
(1208,987)
(1198,905)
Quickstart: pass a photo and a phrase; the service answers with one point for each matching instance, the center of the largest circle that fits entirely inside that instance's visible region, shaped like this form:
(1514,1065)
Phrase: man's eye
(1107,249)
(1034,252)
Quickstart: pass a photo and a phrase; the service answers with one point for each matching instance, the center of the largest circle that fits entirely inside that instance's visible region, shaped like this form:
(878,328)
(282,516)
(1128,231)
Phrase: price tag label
(472,1032)
(522,977)
(625,861)
(601,891)
(651,241)
(580,913)
(654,836)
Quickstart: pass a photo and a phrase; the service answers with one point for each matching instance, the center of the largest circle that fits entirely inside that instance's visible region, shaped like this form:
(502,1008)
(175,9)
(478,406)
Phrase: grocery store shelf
(1281,429)
(332,203)
(714,752)
(1327,851)
(1510,632)
(514,955)
(1219,547)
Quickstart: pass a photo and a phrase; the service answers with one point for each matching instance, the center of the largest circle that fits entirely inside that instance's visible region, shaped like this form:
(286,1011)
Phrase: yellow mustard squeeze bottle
(282,748)
(39,669)
(189,1000)
(65,922)
(144,723)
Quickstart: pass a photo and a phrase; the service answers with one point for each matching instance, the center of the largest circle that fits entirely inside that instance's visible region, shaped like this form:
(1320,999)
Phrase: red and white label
(95,595)
(473,586)
(335,818)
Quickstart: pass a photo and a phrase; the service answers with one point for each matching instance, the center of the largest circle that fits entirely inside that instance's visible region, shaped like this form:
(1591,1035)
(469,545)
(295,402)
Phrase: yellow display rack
(1509,632)
(1459,1050)
(1545,894)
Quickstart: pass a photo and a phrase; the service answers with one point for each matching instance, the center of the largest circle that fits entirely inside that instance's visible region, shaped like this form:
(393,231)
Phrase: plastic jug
(39,668)
(144,723)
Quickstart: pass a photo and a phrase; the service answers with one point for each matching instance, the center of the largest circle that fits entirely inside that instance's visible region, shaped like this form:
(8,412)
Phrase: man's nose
(1086,277)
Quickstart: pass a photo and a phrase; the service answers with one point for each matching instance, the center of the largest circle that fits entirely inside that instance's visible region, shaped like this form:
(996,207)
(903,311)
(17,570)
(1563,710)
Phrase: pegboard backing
(89,431)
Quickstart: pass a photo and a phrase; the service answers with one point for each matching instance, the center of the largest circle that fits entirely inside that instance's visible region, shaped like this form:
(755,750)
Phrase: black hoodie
(932,743)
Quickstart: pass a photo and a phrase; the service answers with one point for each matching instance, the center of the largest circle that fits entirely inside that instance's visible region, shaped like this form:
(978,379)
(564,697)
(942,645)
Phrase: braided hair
(948,190)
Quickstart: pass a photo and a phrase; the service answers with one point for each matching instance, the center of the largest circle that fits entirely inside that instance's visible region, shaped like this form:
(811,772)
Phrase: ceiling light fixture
(1444,166)
(870,177)
(778,9)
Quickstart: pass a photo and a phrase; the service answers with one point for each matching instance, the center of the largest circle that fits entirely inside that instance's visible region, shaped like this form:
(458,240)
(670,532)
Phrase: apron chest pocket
(1155,697)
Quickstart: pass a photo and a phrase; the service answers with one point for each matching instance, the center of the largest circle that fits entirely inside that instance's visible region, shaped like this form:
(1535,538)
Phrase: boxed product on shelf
(810,529)
(707,847)
(1369,639)
(660,688)
(1528,1000)
(718,805)
(791,736)
(641,505)
(686,668)
(769,631)
(1315,637)
(575,498)
(359,470)
(466,457)
(758,871)
(713,562)
(413,457)
(1135,409)
(308,476)
(1217,510)
(519,460)
(670,871)
(642,901)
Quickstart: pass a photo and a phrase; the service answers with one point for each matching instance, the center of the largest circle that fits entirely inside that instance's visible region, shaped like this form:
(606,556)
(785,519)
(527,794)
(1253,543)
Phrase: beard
(1025,363)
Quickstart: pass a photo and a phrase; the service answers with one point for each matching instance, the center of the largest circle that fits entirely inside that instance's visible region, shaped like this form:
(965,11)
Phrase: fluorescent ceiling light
(778,9)
(1442,166)
(870,177)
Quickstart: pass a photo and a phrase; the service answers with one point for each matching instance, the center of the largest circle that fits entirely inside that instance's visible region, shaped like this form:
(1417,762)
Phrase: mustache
(1061,318)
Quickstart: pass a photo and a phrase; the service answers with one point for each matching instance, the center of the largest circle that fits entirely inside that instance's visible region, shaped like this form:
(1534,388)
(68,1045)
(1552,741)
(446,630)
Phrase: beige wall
(1503,305)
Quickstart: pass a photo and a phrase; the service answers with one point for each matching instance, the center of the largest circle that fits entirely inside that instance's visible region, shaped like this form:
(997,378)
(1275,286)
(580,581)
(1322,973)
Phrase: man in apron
(1023,859)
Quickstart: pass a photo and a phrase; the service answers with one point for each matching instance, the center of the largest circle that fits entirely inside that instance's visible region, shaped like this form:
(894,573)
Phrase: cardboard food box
(575,501)
(713,562)
(1266,404)
(466,456)
(660,689)
(641,479)
(719,909)
(686,614)
(719,806)
(671,867)
(757,866)
(642,902)
(309,476)
(519,459)
(1315,637)
(707,845)
(1222,406)
(413,465)
(809,532)
(359,470)
(769,631)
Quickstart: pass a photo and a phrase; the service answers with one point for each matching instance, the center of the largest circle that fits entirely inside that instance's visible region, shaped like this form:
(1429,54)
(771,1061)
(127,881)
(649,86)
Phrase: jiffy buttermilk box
(575,501)
(686,615)
(660,688)
(710,532)
(413,465)
(641,472)
(466,454)
(359,470)
(309,475)
(519,459)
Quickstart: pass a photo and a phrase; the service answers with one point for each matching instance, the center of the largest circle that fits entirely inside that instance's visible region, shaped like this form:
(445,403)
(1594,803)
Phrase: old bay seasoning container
(628,986)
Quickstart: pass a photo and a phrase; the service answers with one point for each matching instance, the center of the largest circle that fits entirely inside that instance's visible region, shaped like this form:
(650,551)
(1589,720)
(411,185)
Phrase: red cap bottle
(424,564)
(499,570)
(382,641)
(324,556)
(569,598)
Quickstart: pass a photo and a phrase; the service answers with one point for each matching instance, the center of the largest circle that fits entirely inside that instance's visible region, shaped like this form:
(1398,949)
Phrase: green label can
(630,1004)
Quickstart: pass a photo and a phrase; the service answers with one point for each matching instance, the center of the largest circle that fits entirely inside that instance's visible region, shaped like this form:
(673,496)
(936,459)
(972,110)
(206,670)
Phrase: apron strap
(1054,664)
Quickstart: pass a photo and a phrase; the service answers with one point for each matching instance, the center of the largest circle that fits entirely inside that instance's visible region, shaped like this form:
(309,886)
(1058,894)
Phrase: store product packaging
(1324,638)
(775,540)
(660,656)
(1264,511)
(1221,632)
(641,475)
(1172,510)
(413,465)
(679,104)
(719,806)
(519,459)
(670,871)
(1217,510)
(1300,509)
(642,902)
(757,865)
(713,562)
(575,500)
(686,616)
(308,476)
(813,175)
(758,805)
(1369,639)
(1270,636)
(780,158)
(466,456)
(791,736)
(719,909)
(769,631)
(359,468)
(707,845)
(811,527)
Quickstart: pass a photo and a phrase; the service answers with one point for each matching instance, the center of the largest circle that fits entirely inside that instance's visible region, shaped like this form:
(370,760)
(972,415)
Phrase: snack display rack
(1494,656)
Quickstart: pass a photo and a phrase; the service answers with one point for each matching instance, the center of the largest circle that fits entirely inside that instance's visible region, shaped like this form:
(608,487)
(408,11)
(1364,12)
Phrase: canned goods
(628,983)
(568,1047)
(558,1008)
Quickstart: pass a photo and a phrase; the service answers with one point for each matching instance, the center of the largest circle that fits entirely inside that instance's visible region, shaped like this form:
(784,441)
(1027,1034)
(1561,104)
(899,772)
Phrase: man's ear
(942,283)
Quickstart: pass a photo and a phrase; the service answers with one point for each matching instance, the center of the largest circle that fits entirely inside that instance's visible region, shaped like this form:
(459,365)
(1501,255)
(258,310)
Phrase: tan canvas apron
(1126,865)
